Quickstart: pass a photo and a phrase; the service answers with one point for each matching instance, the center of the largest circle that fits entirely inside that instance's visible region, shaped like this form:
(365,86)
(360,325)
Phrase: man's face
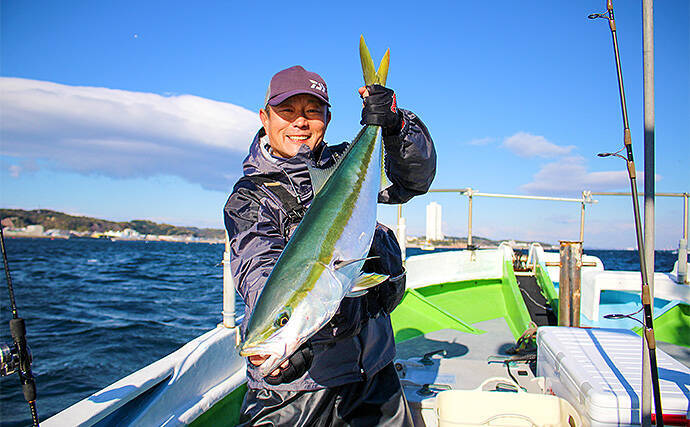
(300,119)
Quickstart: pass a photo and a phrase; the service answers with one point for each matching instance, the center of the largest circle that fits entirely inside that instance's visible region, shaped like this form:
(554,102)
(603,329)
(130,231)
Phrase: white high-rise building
(433,222)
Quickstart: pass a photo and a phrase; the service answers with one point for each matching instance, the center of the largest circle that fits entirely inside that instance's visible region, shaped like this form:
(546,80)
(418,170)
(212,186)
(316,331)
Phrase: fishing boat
(480,341)
(470,321)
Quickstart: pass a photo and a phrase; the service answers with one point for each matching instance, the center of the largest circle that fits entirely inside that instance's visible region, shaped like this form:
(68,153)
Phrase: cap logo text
(317,85)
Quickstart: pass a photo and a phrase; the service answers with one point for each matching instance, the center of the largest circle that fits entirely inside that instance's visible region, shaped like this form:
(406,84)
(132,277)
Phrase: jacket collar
(293,171)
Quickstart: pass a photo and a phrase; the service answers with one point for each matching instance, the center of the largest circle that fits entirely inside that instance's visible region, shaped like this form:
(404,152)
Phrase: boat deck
(469,360)
(678,352)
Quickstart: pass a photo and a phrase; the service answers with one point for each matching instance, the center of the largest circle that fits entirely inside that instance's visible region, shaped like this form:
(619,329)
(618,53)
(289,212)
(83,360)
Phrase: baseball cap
(293,81)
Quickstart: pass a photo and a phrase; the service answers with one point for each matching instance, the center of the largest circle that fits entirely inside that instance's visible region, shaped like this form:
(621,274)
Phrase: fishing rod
(627,141)
(17,358)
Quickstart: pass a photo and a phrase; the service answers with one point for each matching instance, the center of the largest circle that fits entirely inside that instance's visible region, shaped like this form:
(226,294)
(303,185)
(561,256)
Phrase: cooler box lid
(605,366)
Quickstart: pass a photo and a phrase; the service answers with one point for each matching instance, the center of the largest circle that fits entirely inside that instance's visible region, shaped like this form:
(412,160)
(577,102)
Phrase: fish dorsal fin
(385,182)
(319,176)
(364,282)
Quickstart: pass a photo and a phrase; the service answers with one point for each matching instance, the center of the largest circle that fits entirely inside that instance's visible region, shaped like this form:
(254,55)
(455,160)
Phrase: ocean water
(98,310)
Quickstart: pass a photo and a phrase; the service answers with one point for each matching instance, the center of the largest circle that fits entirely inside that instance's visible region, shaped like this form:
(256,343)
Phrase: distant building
(126,234)
(34,230)
(433,222)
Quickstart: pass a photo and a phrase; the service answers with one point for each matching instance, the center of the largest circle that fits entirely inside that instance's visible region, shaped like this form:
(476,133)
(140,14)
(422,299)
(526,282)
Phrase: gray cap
(294,81)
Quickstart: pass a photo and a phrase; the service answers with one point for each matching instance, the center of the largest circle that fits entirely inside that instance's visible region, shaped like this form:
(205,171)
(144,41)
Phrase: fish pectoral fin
(355,294)
(364,282)
(340,264)
(369,280)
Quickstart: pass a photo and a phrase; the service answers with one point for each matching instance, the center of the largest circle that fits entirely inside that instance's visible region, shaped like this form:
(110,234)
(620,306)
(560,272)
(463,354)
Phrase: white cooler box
(599,372)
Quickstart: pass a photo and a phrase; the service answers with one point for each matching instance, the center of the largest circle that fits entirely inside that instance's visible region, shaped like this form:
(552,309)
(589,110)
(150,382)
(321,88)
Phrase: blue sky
(144,110)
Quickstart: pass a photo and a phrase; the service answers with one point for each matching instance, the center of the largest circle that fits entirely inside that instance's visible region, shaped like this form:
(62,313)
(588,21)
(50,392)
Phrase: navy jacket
(359,340)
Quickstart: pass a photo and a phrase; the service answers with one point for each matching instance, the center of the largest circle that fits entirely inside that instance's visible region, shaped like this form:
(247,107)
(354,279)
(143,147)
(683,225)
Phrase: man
(344,374)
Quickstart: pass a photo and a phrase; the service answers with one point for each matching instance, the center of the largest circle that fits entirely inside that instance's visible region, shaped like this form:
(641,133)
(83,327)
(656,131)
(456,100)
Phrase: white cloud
(15,171)
(527,145)
(125,134)
(569,175)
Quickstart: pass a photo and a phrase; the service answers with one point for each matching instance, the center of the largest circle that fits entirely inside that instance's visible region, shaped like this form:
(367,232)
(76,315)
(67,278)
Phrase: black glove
(386,259)
(300,362)
(380,109)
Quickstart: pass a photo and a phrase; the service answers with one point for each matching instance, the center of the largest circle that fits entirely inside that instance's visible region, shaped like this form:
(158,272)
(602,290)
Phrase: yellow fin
(364,282)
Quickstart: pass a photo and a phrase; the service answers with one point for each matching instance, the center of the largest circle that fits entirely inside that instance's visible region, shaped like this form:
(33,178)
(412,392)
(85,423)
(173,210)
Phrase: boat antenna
(627,140)
(17,357)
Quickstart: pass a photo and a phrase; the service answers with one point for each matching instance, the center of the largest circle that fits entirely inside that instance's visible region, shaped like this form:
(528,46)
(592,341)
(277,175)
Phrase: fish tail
(371,75)
(368,69)
(382,72)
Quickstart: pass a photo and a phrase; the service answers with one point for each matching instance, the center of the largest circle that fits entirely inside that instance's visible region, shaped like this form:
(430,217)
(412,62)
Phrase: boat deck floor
(470,359)
(495,342)
(678,352)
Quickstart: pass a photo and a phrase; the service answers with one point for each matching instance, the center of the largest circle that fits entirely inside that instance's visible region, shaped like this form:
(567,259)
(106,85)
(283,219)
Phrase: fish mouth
(276,355)
(251,349)
(268,365)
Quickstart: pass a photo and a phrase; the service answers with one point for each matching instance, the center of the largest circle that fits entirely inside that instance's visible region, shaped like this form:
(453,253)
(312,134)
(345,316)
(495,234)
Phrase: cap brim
(283,96)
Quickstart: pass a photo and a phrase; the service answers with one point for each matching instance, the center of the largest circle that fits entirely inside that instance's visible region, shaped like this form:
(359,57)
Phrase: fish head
(289,312)
(278,336)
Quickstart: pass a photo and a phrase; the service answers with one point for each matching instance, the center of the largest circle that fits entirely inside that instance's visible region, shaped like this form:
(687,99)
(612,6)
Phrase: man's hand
(380,108)
(294,367)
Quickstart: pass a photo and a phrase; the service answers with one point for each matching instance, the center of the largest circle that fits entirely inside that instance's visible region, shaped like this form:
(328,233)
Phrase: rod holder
(569,284)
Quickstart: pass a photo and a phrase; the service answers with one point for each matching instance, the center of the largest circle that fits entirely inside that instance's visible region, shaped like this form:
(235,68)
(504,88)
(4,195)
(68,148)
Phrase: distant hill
(18,218)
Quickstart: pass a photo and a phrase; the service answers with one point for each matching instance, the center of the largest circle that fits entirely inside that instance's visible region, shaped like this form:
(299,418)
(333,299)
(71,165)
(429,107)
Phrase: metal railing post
(582,222)
(402,233)
(682,272)
(228,288)
(469,217)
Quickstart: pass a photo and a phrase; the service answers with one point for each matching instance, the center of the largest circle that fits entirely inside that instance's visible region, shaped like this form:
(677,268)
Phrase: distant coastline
(44,223)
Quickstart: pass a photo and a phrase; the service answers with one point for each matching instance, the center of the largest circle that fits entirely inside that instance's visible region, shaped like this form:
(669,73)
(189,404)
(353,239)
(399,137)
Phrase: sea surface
(98,310)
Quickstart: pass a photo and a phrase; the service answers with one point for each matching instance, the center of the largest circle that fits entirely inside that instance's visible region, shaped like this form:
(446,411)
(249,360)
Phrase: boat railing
(470,193)
(587,198)
(682,266)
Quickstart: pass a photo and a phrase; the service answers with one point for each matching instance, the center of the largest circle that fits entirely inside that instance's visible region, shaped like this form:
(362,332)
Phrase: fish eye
(282,319)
